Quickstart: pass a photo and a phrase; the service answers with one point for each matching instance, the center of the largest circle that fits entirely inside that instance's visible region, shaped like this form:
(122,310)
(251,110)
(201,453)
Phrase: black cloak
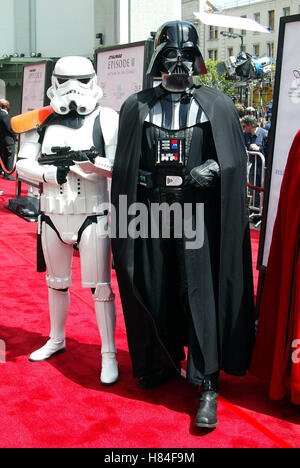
(234,276)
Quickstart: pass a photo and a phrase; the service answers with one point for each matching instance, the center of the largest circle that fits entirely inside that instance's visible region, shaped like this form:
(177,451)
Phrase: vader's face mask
(179,68)
(74,86)
(177,56)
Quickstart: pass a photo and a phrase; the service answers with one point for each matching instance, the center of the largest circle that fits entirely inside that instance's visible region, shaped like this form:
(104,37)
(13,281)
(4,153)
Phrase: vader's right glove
(204,176)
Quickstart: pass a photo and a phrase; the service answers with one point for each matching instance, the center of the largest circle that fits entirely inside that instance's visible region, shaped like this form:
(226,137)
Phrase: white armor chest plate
(82,193)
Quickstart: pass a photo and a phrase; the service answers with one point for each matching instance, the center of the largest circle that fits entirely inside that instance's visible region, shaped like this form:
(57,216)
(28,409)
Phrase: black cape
(235,297)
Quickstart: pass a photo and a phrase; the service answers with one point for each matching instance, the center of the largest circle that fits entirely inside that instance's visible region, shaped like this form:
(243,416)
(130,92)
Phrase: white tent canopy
(226,21)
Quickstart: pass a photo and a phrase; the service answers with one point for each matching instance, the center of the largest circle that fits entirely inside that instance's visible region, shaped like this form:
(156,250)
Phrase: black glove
(204,176)
(81,156)
(61,174)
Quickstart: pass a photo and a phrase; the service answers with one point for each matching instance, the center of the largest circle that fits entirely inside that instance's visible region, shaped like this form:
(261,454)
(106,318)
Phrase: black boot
(157,378)
(208,400)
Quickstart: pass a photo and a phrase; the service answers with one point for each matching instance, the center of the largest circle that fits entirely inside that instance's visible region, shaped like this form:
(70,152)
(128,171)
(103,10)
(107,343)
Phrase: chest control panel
(170,152)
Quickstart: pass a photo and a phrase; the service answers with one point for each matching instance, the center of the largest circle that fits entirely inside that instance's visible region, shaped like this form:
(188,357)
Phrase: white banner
(227,21)
(287,125)
(120,73)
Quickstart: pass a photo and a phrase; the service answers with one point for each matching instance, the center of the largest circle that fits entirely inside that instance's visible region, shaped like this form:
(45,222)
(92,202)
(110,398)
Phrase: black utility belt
(148,180)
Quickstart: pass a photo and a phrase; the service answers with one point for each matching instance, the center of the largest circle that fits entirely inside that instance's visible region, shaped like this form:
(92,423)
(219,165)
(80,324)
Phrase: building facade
(77,27)
(39,28)
(215,46)
(46,29)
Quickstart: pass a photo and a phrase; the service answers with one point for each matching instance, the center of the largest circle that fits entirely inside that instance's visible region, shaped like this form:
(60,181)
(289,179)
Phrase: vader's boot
(207,412)
(59,302)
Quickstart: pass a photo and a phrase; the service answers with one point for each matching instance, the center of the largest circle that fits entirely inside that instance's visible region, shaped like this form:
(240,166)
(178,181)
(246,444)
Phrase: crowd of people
(7,142)
(255,132)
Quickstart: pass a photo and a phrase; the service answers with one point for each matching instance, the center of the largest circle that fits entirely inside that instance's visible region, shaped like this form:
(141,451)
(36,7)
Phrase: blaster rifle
(63,157)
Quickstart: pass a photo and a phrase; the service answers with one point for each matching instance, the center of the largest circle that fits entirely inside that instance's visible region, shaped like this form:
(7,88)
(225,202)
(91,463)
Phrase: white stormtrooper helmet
(74,86)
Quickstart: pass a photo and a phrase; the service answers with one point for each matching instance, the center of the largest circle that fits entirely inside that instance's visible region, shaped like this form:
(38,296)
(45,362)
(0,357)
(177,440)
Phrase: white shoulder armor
(30,146)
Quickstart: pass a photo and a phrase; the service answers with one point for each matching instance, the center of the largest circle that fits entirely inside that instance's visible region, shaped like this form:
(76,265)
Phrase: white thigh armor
(94,248)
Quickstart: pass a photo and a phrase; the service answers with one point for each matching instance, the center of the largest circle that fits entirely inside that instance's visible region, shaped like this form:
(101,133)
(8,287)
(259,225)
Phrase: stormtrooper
(72,200)
(181,143)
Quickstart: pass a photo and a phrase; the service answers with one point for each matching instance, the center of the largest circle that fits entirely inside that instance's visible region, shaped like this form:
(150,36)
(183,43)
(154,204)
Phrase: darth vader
(181,144)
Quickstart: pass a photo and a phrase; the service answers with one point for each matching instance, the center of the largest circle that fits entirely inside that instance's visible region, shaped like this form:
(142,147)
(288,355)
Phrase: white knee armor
(103,293)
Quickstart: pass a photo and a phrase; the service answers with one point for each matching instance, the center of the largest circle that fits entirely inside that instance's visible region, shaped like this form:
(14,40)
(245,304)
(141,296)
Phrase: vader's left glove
(204,176)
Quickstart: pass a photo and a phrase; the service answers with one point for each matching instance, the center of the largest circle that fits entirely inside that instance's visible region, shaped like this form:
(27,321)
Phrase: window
(213,32)
(213,54)
(243,31)
(256,17)
(270,49)
(230,52)
(256,50)
(231,29)
(286,11)
(271,19)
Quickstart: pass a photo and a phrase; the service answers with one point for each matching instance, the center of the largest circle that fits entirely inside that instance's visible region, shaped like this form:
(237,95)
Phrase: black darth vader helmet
(176,45)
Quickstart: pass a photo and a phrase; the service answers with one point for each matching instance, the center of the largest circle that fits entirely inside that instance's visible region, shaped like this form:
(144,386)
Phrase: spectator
(268,125)
(256,139)
(240,109)
(7,140)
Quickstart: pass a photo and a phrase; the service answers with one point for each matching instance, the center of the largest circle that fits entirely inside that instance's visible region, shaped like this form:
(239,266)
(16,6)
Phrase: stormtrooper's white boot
(59,302)
(106,319)
(109,370)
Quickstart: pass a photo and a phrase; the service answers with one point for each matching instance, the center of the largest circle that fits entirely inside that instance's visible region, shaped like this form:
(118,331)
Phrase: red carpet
(60,403)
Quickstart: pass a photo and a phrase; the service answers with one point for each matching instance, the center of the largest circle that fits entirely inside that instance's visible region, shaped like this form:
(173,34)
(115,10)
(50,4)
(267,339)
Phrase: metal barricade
(256,183)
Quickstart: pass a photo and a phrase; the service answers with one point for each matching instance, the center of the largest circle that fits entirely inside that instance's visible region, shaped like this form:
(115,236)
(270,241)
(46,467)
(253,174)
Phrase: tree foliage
(214,80)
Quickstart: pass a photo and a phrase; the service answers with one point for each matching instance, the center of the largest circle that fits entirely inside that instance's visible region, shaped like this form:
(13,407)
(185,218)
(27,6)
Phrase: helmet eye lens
(62,80)
(183,54)
(170,54)
(84,80)
(187,54)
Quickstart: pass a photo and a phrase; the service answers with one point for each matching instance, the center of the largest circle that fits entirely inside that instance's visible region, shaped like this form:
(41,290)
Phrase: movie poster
(120,73)
(33,91)
(287,122)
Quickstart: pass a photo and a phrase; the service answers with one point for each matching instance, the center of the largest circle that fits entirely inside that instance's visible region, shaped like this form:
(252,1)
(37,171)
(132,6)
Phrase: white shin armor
(59,303)
(106,320)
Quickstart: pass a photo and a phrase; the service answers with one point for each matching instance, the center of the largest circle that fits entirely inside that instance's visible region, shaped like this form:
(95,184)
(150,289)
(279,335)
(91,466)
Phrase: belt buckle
(174,181)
